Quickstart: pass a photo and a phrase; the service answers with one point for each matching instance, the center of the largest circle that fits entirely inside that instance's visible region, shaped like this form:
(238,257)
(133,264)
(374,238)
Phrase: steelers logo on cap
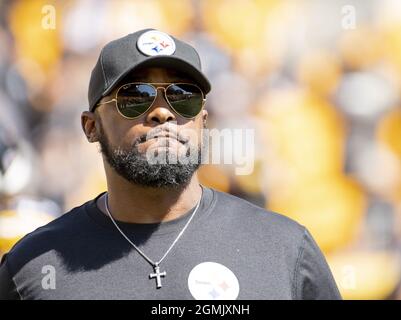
(154,43)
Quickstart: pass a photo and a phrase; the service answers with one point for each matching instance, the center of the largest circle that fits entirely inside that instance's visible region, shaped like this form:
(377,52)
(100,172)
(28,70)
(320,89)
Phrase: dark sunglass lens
(135,99)
(186,99)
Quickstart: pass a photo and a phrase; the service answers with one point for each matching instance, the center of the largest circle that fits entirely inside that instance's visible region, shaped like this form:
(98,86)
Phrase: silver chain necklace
(157,274)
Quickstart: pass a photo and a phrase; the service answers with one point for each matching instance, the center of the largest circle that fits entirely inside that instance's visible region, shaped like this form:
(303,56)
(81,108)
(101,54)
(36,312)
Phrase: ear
(88,123)
(204,116)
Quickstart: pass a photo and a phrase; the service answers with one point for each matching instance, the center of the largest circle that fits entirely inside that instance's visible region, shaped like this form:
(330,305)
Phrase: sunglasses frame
(156,86)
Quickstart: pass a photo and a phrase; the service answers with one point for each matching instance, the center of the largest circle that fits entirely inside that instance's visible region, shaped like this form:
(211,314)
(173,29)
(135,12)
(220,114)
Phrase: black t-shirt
(231,249)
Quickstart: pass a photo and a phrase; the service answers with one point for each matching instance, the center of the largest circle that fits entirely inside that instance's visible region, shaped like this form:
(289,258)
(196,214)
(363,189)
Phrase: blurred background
(319,81)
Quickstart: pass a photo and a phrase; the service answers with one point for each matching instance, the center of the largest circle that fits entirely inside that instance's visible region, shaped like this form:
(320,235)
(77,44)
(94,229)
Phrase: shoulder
(46,238)
(248,216)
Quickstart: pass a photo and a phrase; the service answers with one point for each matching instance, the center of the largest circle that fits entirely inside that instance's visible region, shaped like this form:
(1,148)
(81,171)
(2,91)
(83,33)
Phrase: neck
(132,203)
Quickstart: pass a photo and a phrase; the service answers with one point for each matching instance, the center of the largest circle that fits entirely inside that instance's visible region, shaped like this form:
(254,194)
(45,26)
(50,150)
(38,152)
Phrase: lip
(167,135)
(164,143)
(161,141)
(168,140)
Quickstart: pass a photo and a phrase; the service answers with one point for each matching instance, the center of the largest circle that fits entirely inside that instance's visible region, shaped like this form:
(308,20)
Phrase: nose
(160,112)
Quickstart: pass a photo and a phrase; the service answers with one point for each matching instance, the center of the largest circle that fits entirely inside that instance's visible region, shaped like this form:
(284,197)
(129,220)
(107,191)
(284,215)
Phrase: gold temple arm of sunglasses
(112,100)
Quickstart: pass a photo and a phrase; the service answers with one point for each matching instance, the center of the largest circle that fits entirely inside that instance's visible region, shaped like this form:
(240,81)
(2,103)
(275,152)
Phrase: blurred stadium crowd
(323,99)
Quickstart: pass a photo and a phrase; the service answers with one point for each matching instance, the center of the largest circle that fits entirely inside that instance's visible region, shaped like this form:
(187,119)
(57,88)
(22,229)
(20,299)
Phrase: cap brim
(167,62)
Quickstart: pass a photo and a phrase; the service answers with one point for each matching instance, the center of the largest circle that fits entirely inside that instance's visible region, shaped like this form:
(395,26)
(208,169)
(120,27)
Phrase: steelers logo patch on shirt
(154,42)
(213,281)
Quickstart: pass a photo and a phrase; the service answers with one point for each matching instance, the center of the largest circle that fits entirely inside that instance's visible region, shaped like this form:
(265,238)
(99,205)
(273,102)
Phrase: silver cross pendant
(157,275)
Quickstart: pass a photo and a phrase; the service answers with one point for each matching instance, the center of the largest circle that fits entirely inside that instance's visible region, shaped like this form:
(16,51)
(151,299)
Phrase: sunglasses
(134,99)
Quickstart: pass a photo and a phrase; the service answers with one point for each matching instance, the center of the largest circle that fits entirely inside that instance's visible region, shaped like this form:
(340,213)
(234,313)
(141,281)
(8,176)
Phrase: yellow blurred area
(365,275)
(170,9)
(390,30)
(302,132)
(249,31)
(388,133)
(174,16)
(34,41)
(331,208)
(213,176)
(236,24)
(252,183)
(6,242)
(320,71)
(304,143)
(94,184)
(361,47)
(16,224)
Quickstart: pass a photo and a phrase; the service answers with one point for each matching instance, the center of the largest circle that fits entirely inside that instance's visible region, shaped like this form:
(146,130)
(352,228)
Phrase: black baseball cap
(144,48)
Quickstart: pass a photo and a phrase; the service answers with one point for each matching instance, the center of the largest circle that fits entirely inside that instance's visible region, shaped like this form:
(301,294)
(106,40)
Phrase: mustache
(162,131)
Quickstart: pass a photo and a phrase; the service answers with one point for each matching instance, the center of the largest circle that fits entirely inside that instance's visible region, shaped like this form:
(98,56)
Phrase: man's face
(158,149)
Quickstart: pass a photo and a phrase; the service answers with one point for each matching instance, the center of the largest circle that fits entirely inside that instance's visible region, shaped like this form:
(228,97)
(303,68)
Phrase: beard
(160,169)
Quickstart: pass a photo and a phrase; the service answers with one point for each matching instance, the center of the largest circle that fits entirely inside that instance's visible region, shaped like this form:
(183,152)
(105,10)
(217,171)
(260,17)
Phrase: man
(157,233)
